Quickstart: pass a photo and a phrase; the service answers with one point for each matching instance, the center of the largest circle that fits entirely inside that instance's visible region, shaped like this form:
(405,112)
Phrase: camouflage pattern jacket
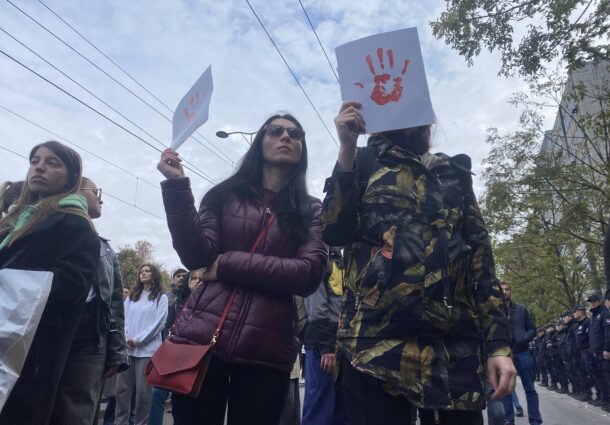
(422,306)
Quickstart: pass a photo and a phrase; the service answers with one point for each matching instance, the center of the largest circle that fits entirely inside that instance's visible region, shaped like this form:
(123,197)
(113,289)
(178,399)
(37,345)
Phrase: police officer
(549,356)
(599,315)
(573,364)
(540,349)
(564,356)
(586,358)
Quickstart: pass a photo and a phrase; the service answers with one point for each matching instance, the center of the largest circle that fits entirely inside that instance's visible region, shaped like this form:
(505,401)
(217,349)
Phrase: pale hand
(131,344)
(349,124)
(502,376)
(328,362)
(606,355)
(169,164)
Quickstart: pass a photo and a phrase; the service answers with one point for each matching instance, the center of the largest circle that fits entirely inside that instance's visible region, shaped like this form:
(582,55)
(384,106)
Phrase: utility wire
(105,191)
(155,185)
(127,74)
(81,86)
(229,161)
(84,88)
(319,42)
(292,72)
(101,114)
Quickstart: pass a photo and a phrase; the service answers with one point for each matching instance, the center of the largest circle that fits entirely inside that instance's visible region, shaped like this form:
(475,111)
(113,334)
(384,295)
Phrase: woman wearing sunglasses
(48,228)
(258,345)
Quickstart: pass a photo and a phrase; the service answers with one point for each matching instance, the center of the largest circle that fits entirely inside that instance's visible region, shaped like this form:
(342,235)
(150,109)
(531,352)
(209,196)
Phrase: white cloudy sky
(166,45)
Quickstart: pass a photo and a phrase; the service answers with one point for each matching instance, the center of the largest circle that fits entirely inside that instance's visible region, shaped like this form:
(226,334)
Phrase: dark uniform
(586,358)
(564,357)
(540,356)
(574,365)
(596,347)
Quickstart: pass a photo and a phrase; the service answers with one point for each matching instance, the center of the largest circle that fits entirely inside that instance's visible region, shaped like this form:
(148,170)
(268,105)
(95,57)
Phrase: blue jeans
(525,370)
(495,410)
(321,404)
(157,406)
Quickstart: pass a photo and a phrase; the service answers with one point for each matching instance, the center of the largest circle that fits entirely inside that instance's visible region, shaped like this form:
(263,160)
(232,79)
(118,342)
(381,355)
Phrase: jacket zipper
(246,302)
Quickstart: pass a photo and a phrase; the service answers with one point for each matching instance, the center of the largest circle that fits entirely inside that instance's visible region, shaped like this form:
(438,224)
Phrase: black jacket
(523,326)
(550,342)
(108,286)
(320,331)
(562,344)
(572,339)
(66,245)
(596,332)
(582,334)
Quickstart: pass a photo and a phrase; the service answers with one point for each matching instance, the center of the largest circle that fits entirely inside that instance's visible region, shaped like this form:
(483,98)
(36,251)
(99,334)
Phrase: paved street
(556,409)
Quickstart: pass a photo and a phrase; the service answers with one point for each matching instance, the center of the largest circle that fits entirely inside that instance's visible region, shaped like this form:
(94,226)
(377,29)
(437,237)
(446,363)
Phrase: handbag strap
(258,241)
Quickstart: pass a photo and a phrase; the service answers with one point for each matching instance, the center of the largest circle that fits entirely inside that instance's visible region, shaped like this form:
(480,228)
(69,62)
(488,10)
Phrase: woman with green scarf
(48,229)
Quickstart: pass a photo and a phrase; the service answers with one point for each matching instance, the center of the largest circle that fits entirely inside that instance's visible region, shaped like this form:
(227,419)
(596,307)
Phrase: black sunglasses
(294,133)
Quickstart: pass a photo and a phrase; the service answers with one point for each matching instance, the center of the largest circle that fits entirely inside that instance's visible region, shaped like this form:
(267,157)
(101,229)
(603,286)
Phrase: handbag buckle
(216,333)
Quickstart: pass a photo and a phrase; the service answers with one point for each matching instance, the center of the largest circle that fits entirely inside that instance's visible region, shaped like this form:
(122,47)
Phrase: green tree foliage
(546,201)
(528,33)
(131,258)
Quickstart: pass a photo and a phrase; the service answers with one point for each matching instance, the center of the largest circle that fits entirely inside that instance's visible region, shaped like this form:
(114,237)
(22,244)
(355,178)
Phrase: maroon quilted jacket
(261,326)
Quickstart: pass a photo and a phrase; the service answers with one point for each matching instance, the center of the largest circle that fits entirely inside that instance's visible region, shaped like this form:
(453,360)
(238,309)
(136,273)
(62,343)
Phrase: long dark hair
(156,287)
(293,203)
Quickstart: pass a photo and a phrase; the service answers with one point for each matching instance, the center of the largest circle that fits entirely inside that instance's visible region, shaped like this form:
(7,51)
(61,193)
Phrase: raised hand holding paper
(385,73)
(193,109)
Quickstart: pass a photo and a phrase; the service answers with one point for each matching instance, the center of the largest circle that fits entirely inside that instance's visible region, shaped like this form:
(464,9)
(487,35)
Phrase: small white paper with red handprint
(385,73)
(193,109)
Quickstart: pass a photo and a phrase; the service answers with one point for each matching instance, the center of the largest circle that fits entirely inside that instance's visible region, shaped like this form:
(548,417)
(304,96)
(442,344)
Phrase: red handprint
(194,104)
(380,95)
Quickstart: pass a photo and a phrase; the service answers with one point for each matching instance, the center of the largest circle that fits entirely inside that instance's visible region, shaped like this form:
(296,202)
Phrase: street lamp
(224,135)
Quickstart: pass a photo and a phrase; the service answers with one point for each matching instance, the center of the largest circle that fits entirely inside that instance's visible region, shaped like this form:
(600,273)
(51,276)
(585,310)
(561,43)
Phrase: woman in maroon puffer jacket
(258,344)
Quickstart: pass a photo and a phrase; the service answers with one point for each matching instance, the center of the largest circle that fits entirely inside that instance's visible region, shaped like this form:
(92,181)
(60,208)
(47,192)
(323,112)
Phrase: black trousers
(367,403)
(255,395)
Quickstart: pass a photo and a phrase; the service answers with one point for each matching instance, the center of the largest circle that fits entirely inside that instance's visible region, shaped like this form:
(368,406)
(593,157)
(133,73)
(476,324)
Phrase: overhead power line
(105,191)
(226,158)
(292,72)
(103,115)
(319,42)
(132,78)
(155,185)
(81,86)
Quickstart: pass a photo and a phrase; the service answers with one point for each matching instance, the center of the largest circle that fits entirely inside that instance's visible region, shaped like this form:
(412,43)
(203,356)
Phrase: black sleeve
(116,350)
(530,326)
(76,263)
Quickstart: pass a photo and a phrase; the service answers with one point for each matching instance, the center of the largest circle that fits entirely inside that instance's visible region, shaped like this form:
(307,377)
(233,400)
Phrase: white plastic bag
(23,296)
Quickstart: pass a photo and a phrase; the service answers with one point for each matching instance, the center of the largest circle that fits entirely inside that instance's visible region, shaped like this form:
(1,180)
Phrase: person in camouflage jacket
(422,309)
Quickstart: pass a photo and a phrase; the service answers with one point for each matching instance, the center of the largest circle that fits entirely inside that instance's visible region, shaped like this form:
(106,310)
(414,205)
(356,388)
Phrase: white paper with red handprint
(385,73)
(193,109)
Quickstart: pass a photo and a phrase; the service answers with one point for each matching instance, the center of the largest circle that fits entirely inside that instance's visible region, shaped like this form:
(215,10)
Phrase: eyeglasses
(97,192)
(294,133)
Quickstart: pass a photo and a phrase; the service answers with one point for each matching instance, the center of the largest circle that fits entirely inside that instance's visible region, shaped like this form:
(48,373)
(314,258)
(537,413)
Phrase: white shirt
(144,321)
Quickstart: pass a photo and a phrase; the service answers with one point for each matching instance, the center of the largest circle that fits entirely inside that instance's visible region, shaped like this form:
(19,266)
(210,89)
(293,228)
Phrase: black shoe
(519,411)
(596,402)
(544,384)
(562,390)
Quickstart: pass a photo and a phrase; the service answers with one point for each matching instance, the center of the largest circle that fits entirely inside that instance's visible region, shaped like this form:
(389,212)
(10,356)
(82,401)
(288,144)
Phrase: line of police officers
(575,352)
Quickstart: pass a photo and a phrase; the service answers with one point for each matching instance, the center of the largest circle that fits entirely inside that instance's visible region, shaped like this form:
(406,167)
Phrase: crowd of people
(572,355)
(389,284)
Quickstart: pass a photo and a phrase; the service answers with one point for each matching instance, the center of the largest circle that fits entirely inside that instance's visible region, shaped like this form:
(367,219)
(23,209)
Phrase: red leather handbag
(181,368)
